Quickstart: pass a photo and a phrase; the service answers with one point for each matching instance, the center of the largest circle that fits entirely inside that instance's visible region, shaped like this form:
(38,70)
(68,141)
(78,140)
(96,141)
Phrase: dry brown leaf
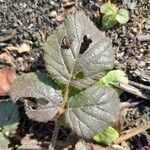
(7,76)
(5,57)
(20,49)
(59,18)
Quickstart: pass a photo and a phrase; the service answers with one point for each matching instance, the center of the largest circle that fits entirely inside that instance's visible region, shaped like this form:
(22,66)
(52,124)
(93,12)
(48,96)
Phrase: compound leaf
(92,110)
(33,85)
(78,54)
(108,136)
(122,16)
(8,113)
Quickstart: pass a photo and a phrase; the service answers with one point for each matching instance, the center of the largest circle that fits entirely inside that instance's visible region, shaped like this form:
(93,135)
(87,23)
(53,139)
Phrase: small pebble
(59,18)
(20,59)
(53,14)
(132,5)
(143,37)
(134,30)
(148,62)
(141,50)
(147,25)
(142,64)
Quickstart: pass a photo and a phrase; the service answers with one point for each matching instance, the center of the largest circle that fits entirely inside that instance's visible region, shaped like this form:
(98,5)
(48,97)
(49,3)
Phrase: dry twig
(131,133)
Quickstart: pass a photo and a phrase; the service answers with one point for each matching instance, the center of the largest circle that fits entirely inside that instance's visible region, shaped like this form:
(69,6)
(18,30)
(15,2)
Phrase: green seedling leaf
(107,137)
(10,129)
(8,113)
(109,21)
(31,85)
(92,110)
(112,78)
(78,54)
(108,9)
(3,142)
(122,16)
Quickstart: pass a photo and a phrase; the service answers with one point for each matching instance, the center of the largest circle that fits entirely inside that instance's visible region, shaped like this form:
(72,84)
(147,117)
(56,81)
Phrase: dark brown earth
(31,21)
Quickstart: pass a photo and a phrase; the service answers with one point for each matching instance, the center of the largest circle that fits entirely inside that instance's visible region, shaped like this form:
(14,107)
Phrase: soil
(31,21)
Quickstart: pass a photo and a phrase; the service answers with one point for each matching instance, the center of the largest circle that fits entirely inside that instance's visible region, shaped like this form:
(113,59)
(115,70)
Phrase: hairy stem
(57,121)
(55,135)
(65,97)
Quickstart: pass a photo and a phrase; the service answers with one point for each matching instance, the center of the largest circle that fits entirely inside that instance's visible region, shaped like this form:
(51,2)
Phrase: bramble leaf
(122,16)
(91,111)
(36,86)
(109,21)
(108,9)
(108,136)
(8,113)
(78,53)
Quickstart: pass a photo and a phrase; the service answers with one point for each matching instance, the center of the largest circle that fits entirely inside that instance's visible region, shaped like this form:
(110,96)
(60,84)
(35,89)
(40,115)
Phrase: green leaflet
(41,87)
(108,136)
(109,21)
(88,57)
(92,110)
(108,9)
(122,16)
(112,78)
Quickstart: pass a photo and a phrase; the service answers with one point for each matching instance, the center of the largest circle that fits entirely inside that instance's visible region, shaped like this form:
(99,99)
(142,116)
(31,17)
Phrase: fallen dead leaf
(20,49)
(7,76)
(5,57)
(59,18)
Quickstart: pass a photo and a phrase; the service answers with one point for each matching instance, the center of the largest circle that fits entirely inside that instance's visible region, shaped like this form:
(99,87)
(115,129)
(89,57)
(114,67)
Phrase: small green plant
(112,15)
(76,56)
(112,78)
(108,136)
(9,118)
